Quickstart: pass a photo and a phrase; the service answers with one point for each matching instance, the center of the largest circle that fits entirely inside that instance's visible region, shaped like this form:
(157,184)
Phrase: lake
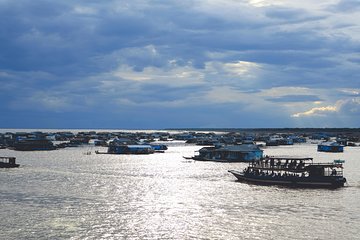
(66,194)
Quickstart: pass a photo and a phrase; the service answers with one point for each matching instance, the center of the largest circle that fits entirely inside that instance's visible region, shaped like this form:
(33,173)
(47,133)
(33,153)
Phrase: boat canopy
(286,158)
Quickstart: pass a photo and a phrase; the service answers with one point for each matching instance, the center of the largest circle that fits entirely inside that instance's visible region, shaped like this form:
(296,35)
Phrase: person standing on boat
(271,162)
(286,163)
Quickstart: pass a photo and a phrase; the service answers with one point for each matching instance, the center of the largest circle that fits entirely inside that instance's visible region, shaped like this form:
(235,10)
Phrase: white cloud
(178,76)
(316,111)
(284,91)
(85,10)
(350,91)
(226,94)
(241,68)
(346,107)
(43,101)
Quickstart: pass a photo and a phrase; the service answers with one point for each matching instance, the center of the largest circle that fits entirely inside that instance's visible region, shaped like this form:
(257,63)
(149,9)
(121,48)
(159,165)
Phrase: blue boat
(159,147)
(130,149)
(330,147)
(118,146)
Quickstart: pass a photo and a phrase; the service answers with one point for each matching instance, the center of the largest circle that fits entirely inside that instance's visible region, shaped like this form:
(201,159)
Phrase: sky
(179,64)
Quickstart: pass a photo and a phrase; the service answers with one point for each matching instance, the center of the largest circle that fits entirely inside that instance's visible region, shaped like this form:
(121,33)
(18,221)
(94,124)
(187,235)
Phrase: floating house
(130,149)
(230,153)
(330,147)
(128,146)
(33,145)
(278,140)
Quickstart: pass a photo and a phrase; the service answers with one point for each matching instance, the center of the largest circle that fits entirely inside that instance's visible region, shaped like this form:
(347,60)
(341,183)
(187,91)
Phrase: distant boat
(34,145)
(130,149)
(118,147)
(230,153)
(295,172)
(330,147)
(8,162)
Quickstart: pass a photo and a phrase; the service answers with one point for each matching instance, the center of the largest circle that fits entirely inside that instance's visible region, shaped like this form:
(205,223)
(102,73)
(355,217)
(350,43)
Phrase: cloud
(316,111)
(346,107)
(214,57)
(347,5)
(178,76)
(296,98)
(350,92)
(350,107)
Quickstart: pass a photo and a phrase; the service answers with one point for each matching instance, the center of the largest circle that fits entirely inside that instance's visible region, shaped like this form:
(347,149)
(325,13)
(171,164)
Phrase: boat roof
(288,158)
(234,148)
(239,148)
(330,144)
(331,165)
(138,146)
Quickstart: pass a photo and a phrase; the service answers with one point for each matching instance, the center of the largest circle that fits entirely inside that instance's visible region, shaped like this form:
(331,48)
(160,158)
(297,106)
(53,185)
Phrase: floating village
(226,146)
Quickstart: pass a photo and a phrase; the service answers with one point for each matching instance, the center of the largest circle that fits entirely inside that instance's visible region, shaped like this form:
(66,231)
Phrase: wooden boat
(8,162)
(295,172)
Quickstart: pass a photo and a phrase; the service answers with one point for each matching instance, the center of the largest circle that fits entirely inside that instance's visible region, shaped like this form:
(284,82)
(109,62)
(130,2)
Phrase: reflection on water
(66,194)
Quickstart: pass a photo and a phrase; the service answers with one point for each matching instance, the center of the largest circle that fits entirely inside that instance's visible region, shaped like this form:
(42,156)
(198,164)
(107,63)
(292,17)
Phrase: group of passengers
(277,163)
(258,172)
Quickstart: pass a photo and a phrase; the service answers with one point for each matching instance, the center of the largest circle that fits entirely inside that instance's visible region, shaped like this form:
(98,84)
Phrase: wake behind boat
(297,172)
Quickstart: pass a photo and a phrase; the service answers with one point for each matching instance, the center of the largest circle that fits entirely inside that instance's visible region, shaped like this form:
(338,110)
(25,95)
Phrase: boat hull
(8,165)
(197,158)
(306,182)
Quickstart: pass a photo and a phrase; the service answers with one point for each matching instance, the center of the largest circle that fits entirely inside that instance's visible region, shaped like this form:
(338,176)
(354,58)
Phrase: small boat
(294,172)
(330,147)
(8,162)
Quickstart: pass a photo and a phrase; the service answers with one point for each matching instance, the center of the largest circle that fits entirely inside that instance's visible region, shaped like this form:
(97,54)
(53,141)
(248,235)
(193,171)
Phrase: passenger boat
(8,162)
(296,172)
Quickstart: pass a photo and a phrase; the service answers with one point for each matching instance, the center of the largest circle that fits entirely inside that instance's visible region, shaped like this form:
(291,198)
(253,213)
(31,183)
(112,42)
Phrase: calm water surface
(66,194)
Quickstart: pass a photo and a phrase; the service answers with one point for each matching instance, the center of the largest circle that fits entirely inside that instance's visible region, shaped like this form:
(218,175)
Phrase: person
(271,162)
(286,163)
(333,173)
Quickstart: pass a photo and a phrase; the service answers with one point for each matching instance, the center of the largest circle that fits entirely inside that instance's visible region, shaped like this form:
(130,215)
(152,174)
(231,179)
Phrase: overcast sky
(172,64)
